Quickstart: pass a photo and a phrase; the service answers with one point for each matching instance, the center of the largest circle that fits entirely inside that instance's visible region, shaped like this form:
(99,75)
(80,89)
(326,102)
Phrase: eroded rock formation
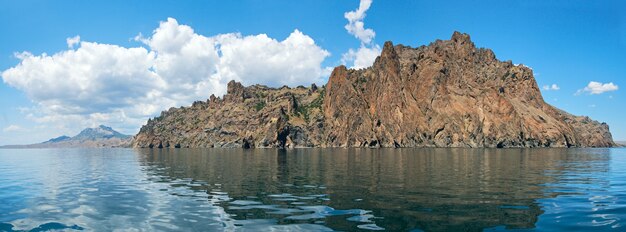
(248,117)
(446,94)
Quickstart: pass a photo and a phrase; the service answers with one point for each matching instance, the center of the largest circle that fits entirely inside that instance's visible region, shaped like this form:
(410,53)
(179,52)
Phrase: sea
(339,189)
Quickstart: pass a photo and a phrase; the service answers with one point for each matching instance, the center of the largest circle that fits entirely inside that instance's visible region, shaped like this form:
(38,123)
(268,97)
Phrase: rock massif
(101,136)
(446,94)
(255,116)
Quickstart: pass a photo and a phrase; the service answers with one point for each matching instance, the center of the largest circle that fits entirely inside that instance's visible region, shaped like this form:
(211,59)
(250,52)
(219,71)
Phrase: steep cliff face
(446,94)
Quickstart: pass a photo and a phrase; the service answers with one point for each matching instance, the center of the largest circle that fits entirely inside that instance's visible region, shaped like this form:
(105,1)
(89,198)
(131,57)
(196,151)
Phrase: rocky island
(446,94)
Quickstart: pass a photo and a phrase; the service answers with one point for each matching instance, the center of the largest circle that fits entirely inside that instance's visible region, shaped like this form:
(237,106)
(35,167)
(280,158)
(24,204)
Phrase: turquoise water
(313,189)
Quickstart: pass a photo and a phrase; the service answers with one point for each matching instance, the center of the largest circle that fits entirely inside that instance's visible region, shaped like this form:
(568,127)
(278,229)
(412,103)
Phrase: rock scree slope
(446,94)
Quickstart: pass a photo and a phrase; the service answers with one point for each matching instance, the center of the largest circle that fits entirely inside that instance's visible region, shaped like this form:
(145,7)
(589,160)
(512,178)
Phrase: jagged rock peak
(338,75)
(388,60)
(235,91)
(388,51)
(234,88)
(462,41)
(459,37)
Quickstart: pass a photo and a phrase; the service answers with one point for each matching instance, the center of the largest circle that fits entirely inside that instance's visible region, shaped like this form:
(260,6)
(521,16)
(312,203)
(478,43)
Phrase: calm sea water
(313,189)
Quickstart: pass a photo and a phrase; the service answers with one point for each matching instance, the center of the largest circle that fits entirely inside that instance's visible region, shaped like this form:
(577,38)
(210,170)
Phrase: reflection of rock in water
(282,166)
(428,189)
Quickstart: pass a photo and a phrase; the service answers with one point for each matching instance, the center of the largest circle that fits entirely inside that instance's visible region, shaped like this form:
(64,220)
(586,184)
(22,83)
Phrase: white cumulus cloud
(93,78)
(97,83)
(366,54)
(551,87)
(259,58)
(598,88)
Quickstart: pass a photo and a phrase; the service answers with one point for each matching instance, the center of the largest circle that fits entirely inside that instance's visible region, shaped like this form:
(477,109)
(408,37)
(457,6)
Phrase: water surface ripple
(313,189)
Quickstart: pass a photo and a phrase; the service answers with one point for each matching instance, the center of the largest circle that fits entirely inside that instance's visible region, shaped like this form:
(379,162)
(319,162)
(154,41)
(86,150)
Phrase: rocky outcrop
(446,94)
(248,117)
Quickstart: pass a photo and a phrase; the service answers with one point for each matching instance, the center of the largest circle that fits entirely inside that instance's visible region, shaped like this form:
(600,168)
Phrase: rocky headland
(446,94)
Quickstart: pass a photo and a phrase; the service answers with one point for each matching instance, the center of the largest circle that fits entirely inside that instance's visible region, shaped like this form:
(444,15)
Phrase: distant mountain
(58,139)
(98,133)
(101,136)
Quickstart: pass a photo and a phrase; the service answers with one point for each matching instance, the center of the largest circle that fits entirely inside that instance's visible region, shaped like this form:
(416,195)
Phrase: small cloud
(592,105)
(551,87)
(140,38)
(355,24)
(361,58)
(22,55)
(368,51)
(72,41)
(598,88)
(12,128)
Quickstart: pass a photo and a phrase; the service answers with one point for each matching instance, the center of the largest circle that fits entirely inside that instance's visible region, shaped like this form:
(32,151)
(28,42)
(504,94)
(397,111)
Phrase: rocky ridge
(446,94)
(254,116)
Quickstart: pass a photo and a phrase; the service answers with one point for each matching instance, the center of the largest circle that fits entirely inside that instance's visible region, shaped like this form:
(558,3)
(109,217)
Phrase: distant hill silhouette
(101,136)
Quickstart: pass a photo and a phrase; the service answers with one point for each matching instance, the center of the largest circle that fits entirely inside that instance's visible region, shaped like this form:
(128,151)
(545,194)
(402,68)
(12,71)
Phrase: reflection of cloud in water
(298,205)
(104,190)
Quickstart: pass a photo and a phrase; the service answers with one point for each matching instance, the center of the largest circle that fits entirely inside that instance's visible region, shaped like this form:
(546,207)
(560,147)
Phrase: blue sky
(567,43)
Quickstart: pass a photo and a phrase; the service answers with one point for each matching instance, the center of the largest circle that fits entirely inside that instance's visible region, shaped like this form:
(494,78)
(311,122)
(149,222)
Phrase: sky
(68,65)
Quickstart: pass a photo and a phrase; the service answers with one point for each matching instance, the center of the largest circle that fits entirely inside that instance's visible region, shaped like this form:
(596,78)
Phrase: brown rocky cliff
(446,94)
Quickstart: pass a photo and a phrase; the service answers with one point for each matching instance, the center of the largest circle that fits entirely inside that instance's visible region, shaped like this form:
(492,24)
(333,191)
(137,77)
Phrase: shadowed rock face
(446,94)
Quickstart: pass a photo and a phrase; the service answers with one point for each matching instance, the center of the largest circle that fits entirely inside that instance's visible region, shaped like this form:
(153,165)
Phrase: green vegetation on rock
(259,106)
